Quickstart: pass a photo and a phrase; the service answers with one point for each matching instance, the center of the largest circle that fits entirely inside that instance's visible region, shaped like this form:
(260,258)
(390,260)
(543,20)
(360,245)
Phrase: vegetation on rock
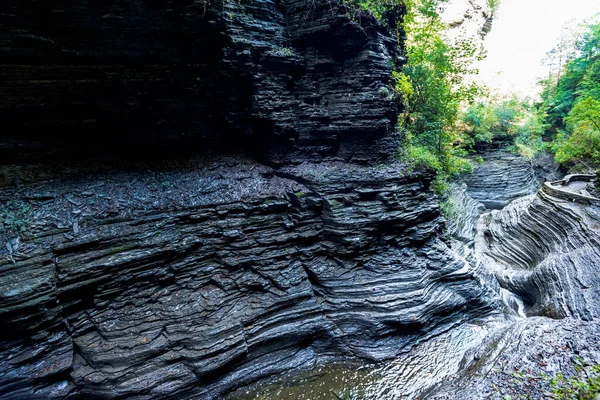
(434,85)
(518,123)
(584,385)
(571,103)
(442,121)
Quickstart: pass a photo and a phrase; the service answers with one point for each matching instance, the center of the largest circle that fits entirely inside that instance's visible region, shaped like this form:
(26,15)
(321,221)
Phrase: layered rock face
(544,252)
(503,177)
(535,262)
(549,252)
(189,282)
(287,80)
(308,244)
(150,290)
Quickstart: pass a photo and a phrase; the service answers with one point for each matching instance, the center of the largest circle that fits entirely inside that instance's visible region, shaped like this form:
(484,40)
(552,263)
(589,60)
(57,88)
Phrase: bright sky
(523,32)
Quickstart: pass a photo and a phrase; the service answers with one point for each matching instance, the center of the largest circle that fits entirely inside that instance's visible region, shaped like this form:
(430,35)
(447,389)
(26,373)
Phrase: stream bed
(537,256)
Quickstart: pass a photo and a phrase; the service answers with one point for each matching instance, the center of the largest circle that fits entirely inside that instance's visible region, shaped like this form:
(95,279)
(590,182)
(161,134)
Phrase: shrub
(584,385)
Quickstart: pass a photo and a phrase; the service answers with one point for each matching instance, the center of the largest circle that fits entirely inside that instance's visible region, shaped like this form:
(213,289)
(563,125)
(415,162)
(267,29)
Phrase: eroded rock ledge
(502,178)
(284,80)
(534,265)
(546,251)
(235,272)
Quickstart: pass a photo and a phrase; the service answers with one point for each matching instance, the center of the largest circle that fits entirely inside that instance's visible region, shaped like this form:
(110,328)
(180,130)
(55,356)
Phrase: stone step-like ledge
(554,189)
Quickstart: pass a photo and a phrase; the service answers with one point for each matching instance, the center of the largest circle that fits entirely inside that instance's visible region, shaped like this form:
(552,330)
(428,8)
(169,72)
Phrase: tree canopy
(572,102)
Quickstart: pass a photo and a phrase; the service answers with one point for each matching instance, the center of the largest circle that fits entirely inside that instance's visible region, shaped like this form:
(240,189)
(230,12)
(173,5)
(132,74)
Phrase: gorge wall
(287,80)
(295,238)
(190,280)
(250,274)
(533,262)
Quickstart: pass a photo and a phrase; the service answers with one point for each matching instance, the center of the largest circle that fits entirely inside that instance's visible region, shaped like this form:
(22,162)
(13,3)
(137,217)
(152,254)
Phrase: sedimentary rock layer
(547,250)
(192,284)
(287,80)
(503,177)
(544,252)
(536,263)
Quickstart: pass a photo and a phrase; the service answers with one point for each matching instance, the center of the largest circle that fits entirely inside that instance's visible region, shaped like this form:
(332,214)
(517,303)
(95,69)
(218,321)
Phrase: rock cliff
(284,80)
(298,240)
(190,293)
(294,240)
(534,261)
(502,178)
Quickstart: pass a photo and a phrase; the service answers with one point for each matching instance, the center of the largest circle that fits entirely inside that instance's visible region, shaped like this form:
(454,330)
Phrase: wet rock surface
(254,272)
(503,177)
(520,359)
(537,259)
(545,169)
(545,251)
(310,244)
(192,282)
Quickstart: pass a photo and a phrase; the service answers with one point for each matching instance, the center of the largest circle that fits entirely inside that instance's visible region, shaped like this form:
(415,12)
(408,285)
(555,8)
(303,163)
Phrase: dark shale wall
(284,80)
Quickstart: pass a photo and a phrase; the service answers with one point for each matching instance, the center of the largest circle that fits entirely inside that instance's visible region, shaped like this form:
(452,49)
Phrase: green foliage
(583,143)
(585,385)
(480,121)
(449,208)
(433,86)
(287,51)
(378,8)
(446,167)
(511,120)
(585,115)
(402,85)
(14,218)
(507,112)
(457,164)
(421,156)
(528,134)
(572,104)
(493,5)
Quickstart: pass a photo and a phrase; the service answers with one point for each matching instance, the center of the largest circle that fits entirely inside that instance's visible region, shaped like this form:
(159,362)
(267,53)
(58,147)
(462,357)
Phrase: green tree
(514,121)
(584,141)
(433,86)
(573,105)
(432,83)
(480,121)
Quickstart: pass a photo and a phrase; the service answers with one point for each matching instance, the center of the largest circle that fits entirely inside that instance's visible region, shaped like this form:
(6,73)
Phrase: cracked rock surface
(254,272)
(534,265)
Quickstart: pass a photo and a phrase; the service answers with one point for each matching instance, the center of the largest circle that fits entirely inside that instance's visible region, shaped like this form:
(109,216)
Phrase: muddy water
(333,381)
